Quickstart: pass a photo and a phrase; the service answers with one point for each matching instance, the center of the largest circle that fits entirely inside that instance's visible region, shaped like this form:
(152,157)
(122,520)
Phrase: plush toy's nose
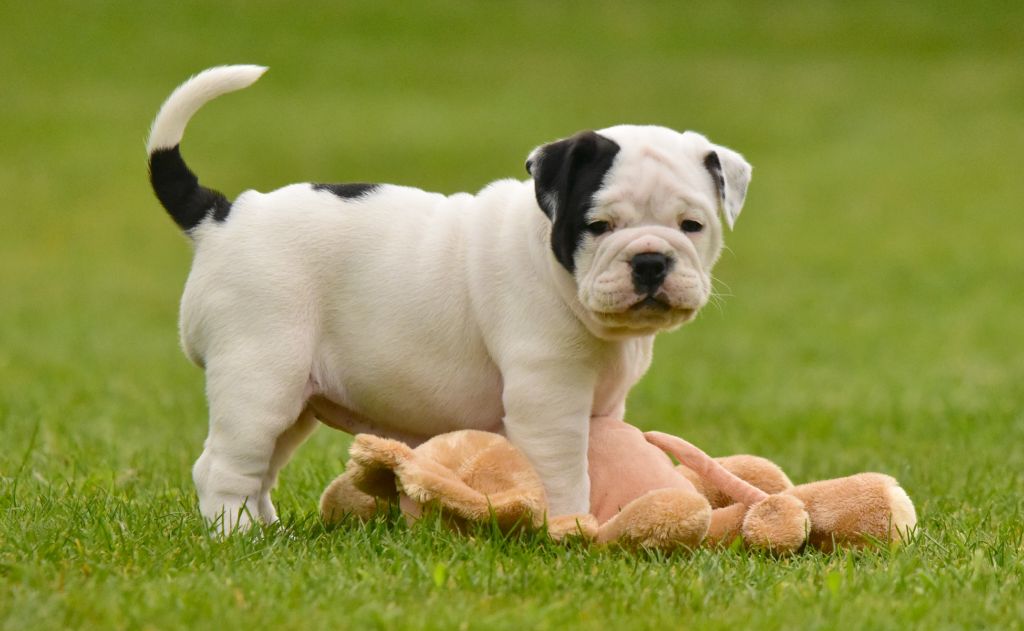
(649,271)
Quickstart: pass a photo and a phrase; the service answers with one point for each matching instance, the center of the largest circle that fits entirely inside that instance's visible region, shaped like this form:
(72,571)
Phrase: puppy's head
(636,218)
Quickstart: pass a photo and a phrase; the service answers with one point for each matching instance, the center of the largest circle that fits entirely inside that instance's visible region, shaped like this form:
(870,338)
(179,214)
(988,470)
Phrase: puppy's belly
(352,422)
(397,409)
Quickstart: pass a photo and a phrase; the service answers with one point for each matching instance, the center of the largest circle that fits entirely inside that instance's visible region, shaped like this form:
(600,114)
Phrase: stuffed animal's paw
(778,524)
(567,527)
(664,519)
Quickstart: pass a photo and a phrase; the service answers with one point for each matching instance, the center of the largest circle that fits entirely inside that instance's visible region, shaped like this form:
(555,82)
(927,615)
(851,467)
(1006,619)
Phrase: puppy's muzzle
(649,271)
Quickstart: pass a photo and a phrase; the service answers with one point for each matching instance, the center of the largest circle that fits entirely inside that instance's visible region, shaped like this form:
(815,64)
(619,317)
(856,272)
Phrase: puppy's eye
(598,227)
(689,225)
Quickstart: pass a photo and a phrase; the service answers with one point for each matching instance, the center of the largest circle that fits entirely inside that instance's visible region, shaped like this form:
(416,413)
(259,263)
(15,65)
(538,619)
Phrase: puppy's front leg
(547,416)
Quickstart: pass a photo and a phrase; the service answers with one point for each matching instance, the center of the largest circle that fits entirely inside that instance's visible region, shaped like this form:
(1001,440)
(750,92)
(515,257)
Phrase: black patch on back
(179,191)
(348,191)
(714,167)
(566,175)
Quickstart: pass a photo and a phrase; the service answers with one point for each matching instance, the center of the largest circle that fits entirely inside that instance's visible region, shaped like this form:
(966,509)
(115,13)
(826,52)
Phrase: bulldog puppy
(525,309)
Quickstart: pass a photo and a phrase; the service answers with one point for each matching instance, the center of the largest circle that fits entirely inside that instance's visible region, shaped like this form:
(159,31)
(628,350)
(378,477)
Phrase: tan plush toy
(638,498)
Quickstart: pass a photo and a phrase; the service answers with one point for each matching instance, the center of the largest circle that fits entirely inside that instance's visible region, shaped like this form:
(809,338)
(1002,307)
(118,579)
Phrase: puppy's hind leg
(285,446)
(256,404)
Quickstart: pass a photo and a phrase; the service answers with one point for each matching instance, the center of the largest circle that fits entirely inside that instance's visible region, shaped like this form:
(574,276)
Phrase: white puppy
(526,308)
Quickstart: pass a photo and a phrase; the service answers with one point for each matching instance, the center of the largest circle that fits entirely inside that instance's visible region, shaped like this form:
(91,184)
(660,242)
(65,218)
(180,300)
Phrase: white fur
(407,313)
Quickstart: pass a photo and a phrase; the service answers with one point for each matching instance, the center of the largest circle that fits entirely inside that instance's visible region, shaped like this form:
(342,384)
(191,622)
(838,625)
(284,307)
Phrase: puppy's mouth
(652,303)
(646,316)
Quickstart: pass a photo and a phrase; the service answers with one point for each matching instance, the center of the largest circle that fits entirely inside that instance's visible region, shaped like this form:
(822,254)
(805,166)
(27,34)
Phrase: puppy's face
(637,220)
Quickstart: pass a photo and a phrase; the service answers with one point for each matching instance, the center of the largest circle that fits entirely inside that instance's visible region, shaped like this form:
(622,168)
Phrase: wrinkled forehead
(656,165)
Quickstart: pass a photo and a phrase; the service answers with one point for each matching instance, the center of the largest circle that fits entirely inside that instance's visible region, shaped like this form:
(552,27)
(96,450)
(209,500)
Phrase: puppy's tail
(175,185)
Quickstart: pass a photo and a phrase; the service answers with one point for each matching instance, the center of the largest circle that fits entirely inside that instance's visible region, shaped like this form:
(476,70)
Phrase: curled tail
(175,185)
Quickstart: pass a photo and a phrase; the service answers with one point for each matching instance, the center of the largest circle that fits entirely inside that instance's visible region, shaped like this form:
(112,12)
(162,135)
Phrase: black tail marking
(179,191)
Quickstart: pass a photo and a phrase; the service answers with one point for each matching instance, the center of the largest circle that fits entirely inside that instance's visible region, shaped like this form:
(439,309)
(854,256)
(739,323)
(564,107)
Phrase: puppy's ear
(568,172)
(731,174)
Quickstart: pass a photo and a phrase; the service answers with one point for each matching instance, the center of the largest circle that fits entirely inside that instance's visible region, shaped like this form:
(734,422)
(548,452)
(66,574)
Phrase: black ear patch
(566,175)
(714,167)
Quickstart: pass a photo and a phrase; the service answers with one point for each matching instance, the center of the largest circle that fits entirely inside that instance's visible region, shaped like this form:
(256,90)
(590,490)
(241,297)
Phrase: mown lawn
(871,313)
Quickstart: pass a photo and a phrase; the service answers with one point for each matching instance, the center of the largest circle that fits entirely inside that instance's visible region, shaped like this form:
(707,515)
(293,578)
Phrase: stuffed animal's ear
(731,174)
(343,497)
(374,461)
(567,172)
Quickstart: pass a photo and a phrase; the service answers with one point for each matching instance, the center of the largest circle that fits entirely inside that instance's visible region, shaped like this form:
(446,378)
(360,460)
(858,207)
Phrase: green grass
(872,315)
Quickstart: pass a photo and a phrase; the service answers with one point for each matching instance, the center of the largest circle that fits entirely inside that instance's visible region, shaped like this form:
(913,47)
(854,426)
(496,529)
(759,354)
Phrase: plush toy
(637,497)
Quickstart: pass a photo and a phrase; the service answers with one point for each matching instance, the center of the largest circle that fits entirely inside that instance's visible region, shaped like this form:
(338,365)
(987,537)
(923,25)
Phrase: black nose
(649,270)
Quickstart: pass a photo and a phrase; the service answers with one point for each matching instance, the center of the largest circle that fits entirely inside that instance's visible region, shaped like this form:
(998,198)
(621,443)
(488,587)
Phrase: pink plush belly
(624,466)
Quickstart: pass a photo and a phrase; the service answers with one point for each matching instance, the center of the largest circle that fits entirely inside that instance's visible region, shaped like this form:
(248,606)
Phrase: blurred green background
(872,295)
